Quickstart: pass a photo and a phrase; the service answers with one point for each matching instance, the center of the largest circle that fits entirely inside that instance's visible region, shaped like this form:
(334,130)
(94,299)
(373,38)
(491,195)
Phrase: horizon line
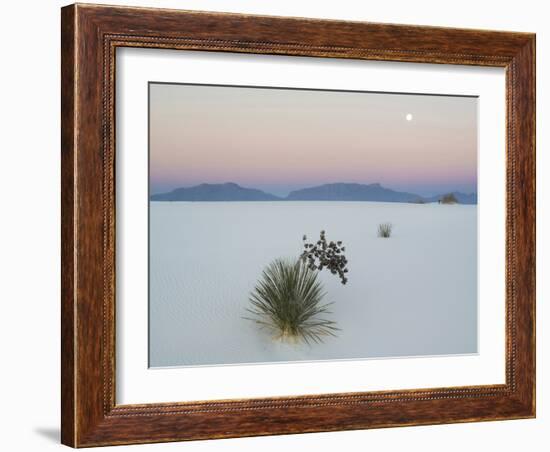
(313,186)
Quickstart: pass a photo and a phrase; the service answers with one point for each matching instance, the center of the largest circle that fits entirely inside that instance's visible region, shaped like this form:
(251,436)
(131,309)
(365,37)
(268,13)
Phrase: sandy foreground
(413,294)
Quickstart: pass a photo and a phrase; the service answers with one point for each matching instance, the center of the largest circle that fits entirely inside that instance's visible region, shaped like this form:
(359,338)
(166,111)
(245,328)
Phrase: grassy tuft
(384,230)
(288,301)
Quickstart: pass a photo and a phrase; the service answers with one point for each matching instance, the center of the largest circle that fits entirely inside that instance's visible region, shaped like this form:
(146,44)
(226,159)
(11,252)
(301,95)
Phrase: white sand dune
(410,295)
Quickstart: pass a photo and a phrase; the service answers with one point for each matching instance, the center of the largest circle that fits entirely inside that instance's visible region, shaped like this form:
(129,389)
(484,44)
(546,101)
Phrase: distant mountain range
(215,192)
(351,192)
(327,192)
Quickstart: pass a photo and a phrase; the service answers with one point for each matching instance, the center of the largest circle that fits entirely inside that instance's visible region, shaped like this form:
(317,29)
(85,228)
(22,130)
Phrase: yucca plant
(288,301)
(384,230)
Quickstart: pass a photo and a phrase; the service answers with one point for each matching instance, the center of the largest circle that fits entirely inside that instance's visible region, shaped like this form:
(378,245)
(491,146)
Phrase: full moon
(409,117)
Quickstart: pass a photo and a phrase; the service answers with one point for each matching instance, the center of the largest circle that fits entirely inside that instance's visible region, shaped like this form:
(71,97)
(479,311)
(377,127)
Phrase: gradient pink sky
(279,140)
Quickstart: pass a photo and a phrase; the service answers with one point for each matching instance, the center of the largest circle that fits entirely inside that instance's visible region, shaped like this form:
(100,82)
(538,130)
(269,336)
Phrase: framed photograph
(281,225)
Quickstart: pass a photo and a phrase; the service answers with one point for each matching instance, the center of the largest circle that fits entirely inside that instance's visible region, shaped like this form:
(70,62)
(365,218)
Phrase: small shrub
(449,198)
(384,230)
(329,255)
(288,301)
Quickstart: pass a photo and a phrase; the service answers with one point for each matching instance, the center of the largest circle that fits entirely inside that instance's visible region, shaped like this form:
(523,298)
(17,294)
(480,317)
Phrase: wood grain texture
(90,36)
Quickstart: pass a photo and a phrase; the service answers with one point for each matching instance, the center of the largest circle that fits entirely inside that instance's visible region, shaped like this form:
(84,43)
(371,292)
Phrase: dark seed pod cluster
(323,254)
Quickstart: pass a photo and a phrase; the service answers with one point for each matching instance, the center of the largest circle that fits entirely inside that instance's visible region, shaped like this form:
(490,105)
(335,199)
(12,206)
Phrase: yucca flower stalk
(324,254)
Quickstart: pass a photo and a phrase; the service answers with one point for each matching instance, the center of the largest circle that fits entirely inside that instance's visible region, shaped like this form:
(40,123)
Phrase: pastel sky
(279,140)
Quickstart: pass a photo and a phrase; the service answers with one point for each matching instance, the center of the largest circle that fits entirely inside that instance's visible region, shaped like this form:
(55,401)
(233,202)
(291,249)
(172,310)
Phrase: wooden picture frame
(90,35)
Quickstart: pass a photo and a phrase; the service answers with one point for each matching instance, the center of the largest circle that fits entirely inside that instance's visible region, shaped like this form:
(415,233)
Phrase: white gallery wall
(29,225)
